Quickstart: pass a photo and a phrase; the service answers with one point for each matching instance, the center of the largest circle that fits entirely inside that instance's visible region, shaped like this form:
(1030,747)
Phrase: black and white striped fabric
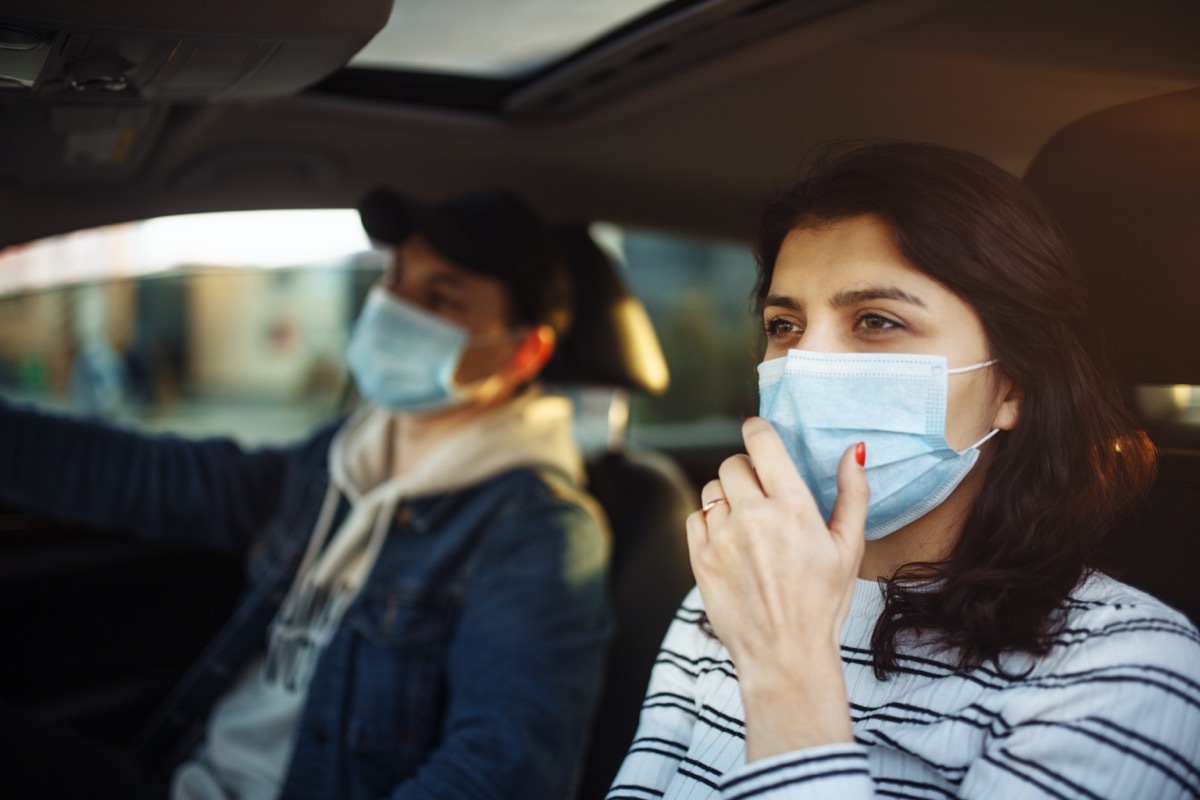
(1113,711)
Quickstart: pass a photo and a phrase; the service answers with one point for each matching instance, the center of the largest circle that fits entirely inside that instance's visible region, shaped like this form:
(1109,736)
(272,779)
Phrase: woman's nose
(822,337)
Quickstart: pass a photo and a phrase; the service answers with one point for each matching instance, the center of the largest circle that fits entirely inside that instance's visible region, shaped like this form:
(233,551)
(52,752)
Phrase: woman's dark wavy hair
(1074,462)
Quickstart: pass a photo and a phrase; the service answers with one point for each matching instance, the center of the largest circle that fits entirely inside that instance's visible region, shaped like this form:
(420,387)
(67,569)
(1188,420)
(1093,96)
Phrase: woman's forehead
(846,255)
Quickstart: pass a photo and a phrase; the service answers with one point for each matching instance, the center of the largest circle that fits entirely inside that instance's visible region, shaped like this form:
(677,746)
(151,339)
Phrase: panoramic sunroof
(499,39)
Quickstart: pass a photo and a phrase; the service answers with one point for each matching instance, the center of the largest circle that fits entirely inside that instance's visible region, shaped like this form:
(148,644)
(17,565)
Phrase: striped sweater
(1112,711)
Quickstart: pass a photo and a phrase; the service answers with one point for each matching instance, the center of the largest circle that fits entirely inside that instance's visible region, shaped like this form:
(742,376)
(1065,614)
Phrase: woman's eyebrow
(849,297)
(853,297)
(782,301)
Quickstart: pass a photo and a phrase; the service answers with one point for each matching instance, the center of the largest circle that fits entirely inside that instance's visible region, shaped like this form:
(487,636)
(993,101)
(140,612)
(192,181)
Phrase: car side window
(1168,409)
(698,295)
(240,334)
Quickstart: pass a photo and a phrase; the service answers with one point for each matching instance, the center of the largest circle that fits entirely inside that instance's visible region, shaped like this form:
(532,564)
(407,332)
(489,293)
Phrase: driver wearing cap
(426,615)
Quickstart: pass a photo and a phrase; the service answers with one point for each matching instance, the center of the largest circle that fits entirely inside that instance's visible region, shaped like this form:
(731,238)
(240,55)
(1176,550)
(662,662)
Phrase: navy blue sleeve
(207,492)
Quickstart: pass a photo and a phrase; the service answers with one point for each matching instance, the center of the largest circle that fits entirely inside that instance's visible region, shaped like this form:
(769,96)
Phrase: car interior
(1133,226)
(637,117)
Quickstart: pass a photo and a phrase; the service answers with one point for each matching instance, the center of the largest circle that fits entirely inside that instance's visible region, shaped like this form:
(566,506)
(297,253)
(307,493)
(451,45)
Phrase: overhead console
(87,87)
(218,49)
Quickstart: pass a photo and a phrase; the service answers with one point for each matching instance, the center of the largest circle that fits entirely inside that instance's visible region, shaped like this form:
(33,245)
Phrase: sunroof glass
(492,38)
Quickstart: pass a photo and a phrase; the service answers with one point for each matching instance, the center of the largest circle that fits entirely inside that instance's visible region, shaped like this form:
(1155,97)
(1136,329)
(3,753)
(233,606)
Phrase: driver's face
(420,275)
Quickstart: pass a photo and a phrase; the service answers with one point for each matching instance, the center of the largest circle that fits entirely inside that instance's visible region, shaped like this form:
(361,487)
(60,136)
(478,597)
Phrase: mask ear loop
(976,446)
(973,367)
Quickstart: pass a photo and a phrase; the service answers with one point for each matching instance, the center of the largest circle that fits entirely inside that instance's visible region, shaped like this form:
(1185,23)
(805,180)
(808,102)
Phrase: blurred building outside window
(203,324)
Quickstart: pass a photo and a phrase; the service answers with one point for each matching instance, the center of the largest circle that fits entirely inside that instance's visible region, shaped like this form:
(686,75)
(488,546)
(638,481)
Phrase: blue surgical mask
(403,358)
(821,403)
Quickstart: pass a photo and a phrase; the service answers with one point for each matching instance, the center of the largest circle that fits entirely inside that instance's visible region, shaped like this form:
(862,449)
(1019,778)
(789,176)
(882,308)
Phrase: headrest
(1125,185)
(612,342)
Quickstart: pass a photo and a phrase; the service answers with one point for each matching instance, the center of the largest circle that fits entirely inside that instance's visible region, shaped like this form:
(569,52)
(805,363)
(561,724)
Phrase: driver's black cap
(494,233)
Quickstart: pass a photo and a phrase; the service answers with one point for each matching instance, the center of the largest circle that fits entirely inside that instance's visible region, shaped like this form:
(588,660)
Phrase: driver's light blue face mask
(821,403)
(403,358)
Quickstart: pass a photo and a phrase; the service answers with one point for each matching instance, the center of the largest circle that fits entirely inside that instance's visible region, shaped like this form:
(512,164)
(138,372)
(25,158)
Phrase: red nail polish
(860,453)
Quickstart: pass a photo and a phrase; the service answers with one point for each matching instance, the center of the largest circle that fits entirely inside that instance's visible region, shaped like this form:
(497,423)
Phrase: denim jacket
(466,667)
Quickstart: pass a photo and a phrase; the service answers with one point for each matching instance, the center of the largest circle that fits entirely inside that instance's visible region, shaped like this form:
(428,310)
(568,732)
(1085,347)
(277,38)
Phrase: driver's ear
(532,353)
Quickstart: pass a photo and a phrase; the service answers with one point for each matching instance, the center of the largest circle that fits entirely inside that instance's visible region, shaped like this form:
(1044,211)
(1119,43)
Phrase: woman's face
(845,287)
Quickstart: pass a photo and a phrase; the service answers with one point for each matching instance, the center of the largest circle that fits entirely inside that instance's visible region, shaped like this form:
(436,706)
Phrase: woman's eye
(777,328)
(876,322)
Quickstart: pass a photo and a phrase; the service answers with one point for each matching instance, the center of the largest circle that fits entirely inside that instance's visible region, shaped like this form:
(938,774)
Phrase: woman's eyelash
(775,327)
(868,321)
(880,321)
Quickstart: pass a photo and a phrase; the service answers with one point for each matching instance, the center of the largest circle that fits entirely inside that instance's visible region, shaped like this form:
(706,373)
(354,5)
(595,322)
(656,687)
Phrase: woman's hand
(777,584)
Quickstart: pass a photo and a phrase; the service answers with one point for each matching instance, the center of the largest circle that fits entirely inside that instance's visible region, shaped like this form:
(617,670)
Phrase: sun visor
(219,49)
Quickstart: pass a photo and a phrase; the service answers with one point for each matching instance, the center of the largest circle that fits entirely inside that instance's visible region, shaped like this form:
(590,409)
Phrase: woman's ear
(1009,412)
(532,353)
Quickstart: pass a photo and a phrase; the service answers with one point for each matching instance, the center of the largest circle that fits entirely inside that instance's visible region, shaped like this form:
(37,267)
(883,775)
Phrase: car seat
(1125,185)
(611,350)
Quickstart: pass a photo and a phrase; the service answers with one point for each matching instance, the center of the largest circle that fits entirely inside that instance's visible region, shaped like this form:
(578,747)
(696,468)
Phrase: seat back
(1125,185)
(1157,547)
(647,497)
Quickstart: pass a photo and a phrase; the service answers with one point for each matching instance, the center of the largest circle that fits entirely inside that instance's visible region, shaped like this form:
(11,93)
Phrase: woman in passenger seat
(894,587)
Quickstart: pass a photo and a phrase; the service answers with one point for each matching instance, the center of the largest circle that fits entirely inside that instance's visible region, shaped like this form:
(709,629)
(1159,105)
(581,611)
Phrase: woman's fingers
(767,563)
(711,491)
(697,530)
(766,471)
(775,474)
(736,479)
(849,517)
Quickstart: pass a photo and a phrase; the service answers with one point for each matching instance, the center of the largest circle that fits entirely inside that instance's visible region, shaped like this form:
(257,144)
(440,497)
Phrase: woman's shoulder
(1101,599)
(1123,668)
(1105,623)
